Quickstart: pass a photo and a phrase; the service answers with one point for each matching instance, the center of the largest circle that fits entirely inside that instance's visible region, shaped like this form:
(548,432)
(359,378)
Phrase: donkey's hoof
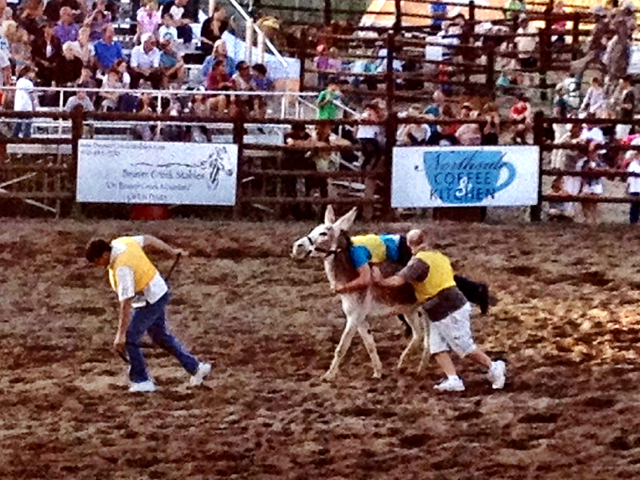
(377,375)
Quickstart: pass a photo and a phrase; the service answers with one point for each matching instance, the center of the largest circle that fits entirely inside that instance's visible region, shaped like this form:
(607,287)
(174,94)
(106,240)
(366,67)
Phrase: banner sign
(465,176)
(156,172)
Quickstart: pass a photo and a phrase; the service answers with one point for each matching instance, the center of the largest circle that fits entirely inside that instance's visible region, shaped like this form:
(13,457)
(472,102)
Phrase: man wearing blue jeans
(132,274)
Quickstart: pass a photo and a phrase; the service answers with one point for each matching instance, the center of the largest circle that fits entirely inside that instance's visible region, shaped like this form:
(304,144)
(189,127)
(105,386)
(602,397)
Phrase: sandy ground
(566,322)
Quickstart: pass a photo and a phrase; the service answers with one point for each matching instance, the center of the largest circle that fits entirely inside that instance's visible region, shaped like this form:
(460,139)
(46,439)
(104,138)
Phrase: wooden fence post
(77,128)
(467,52)
(302,55)
(328,17)
(538,139)
(390,74)
(391,127)
(575,36)
(397,24)
(238,139)
(490,71)
(544,40)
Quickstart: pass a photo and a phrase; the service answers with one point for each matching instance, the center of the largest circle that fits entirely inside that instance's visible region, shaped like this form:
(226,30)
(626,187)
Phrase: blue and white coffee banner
(157,172)
(465,176)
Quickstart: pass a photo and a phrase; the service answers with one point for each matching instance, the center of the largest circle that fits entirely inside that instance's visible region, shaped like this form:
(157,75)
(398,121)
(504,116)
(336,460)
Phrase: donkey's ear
(329,216)
(344,223)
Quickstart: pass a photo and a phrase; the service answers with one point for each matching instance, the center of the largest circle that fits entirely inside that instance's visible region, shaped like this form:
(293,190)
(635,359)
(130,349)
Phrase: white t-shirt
(4,63)
(633,183)
(126,80)
(142,60)
(526,45)
(126,281)
(168,32)
(5,46)
(368,131)
(23,101)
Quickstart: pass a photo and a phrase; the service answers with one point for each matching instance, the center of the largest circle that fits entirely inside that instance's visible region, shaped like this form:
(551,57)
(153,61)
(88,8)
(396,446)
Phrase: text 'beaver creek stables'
(468,178)
(189,174)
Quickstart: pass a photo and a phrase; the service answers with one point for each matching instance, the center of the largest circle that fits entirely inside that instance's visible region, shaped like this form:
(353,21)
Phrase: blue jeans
(151,319)
(634,211)
(24,127)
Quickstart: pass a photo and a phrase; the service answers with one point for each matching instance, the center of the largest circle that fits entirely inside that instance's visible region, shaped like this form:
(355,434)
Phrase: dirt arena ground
(567,323)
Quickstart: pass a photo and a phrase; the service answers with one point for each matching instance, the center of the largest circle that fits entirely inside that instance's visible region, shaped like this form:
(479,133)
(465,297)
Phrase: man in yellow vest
(431,275)
(132,274)
(372,249)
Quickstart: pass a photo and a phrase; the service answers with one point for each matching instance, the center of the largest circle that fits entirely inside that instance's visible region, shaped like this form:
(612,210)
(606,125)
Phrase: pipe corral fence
(41,172)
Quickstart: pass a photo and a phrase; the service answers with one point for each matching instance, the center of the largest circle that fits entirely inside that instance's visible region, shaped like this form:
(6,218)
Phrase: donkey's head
(323,240)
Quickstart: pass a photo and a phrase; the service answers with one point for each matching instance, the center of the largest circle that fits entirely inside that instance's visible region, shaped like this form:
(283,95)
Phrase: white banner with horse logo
(157,172)
(465,176)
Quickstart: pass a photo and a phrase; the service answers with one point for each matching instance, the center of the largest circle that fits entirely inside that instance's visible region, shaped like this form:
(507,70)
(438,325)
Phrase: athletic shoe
(451,384)
(203,370)
(143,387)
(497,374)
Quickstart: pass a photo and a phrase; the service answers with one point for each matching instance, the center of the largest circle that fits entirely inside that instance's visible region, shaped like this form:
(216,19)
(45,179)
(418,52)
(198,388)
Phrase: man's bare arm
(393,281)
(360,283)
(123,324)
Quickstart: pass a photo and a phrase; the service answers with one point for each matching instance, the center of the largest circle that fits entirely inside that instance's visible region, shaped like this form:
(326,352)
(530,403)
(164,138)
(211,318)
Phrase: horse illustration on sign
(218,162)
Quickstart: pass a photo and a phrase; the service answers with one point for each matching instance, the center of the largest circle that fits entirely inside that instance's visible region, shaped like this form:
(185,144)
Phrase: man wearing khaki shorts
(431,275)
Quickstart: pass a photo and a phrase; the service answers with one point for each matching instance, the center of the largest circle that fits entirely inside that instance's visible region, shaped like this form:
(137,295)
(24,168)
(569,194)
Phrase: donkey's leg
(365,332)
(416,333)
(424,323)
(342,348)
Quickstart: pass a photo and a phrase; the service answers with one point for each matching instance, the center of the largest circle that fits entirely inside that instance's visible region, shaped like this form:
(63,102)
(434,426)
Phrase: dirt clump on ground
(566,322)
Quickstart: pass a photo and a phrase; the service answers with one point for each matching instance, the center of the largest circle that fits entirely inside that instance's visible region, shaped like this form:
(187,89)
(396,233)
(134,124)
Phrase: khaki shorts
(453,333)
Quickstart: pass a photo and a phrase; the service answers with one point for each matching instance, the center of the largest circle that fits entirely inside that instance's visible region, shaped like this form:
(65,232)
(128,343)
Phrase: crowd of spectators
(453,37)
(73,44)
(607,94)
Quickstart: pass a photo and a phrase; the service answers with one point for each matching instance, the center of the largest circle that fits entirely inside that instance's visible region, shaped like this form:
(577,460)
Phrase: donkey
(331,242)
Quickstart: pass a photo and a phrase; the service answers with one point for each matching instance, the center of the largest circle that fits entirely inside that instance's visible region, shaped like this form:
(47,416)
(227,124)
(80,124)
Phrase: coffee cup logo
(467,176)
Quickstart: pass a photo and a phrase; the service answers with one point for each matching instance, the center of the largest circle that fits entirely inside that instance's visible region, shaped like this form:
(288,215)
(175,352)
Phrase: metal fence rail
(47,180)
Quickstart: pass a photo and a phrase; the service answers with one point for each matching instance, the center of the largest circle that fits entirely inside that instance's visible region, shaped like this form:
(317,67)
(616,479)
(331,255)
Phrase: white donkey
(331,242)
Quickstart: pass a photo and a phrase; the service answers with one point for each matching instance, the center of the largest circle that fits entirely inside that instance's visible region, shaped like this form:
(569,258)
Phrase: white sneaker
(451,384)
(497,374)
(143,387)
(203,370)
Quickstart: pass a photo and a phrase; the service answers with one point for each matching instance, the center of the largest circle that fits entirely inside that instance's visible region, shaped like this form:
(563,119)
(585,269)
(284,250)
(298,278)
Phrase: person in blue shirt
(260,79)
(372,249)
(439,12)
(108,51)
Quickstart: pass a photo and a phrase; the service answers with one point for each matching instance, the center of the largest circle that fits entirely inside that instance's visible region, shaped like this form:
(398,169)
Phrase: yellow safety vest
(133,257)
(374,244)
(440,275)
